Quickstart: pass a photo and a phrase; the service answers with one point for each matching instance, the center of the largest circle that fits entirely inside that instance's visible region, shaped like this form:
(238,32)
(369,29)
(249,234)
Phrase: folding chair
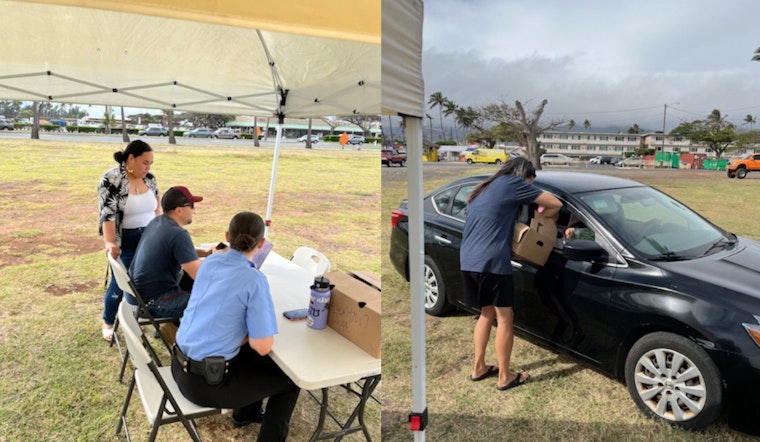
(311,260)
(162,400)
(144,317)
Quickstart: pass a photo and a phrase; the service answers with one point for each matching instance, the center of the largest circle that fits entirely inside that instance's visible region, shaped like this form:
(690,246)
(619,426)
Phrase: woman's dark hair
(135,148)
(246,231)
(518,166)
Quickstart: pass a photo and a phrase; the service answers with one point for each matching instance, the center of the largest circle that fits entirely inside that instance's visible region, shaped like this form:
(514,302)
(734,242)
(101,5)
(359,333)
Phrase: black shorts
(482,289)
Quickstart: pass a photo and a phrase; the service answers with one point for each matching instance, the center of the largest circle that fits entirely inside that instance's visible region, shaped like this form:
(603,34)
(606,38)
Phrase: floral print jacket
(113,191)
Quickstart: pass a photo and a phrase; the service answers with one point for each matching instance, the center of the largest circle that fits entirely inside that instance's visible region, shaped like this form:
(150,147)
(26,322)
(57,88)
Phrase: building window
(548,136)
(633,138)
(604,138)
(604,148)
(619,138)
(591,148)
(563,137)
(575,147)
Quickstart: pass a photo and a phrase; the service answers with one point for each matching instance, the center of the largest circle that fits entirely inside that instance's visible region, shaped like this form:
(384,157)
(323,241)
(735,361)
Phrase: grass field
(564,400)
(58,379)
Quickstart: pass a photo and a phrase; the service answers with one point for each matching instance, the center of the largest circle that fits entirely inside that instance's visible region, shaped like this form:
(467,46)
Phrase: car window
(459,207)
(442,200)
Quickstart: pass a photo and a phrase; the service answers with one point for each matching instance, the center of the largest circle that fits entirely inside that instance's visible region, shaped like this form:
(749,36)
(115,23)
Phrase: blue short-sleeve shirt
(229,302)
(490,223)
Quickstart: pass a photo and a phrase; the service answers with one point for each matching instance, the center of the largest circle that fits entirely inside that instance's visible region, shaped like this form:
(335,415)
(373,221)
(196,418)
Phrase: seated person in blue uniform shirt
(167,256)
(230,323)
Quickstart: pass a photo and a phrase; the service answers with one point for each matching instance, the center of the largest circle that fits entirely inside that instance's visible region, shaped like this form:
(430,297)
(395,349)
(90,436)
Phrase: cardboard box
(354,311)
(534,243)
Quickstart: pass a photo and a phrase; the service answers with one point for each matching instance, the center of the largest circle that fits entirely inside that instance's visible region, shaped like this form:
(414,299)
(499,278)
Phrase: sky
(612,62)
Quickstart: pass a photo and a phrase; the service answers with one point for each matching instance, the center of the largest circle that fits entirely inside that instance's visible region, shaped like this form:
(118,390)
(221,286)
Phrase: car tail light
(395,217)
(753,330)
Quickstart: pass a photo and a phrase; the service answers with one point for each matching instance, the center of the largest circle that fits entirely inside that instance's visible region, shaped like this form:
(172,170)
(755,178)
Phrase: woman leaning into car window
(484,259)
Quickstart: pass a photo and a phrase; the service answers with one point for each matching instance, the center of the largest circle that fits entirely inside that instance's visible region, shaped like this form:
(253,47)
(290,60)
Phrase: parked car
(6,124)
(555,158)
(199,132)
(314,139)
(390,157)
(606,160)
(482,155)
(154,132)
(661,298)
(356,139)
(226,132)
(595,160)
(630,162)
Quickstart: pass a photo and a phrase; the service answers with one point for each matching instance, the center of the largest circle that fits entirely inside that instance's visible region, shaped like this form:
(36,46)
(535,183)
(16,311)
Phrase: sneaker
(242,421)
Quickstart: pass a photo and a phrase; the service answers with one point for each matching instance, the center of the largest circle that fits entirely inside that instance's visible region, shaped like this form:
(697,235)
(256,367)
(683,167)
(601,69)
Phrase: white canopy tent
(280,58)
(295,58)
(404,96)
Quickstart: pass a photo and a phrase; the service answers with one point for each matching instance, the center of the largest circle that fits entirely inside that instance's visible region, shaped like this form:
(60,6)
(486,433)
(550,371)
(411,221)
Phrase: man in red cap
(164,253)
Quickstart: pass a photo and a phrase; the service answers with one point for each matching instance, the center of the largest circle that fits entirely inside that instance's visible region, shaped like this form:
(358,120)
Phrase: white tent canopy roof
(197,56)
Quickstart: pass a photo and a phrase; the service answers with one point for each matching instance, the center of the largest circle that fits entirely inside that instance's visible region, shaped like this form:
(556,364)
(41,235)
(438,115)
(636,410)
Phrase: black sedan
(654,295)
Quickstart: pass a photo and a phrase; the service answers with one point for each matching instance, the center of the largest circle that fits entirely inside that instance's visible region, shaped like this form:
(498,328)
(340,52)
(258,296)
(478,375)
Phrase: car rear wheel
(498,162)
(672,379)
(731,174)
(435,292)
(741,173)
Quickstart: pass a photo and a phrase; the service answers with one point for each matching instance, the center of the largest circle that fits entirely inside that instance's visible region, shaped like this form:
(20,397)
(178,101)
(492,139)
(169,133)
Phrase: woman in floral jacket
(127,201)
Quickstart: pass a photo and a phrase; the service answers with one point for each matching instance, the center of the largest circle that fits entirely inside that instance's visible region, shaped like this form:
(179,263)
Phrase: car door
(444,223)
(566,303)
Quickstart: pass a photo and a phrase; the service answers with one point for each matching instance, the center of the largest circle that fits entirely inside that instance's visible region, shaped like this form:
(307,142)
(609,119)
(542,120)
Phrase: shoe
(492,370)
(107,333)
(242,421)
(516,382)
(168,331)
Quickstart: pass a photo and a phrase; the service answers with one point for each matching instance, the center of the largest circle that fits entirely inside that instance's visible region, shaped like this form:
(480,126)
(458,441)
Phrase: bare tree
(519,125)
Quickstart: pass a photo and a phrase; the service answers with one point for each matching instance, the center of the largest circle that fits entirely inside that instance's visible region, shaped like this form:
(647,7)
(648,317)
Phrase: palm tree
(570,125)
(465,117)
(749,119)
(586,124)
(634,129)
(756,57)
(449,108)
(437,99)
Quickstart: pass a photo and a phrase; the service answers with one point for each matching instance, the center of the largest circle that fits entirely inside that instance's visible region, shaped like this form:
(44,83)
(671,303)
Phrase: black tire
(741,173)
(731,174)
(402,163)
(435,292)
(469,162)
(498,162)
(692,402)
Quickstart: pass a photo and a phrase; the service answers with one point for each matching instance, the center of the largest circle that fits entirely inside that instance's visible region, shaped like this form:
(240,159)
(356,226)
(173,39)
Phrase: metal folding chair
(141,312)
(162,400)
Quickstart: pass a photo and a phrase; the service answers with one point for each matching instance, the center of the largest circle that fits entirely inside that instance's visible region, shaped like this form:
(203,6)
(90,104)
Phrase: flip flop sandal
(107,334)
(516,382)
(492,370)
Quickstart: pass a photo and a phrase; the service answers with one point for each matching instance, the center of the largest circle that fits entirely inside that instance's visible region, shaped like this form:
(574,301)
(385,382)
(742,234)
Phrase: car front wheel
(672,379)
(435,292)
(741,173)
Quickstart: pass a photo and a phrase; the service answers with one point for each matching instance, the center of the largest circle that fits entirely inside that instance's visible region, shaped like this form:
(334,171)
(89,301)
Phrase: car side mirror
(583,250)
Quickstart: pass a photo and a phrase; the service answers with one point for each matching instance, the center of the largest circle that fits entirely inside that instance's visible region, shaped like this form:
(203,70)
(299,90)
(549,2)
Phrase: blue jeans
(112,298)
(170,304)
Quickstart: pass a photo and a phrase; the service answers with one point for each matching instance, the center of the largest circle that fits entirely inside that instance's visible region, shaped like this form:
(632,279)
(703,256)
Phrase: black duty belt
(191,366)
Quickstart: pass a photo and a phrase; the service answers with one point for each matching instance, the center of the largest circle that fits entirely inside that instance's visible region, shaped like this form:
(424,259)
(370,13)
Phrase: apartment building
(586,144)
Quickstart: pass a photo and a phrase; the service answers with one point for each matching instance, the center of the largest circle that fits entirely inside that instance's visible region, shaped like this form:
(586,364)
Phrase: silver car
(555,158)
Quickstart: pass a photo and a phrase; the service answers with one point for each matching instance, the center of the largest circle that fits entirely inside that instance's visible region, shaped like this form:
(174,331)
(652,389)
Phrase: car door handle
(516,264)
(441,239)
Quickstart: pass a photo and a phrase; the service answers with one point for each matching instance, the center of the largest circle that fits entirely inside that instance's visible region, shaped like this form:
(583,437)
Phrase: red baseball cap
(178,196)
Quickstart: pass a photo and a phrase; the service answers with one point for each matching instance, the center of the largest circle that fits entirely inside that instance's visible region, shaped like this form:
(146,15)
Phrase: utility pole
(664,114)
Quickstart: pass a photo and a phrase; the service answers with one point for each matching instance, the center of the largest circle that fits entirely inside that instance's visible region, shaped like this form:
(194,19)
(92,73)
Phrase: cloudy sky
(612,62)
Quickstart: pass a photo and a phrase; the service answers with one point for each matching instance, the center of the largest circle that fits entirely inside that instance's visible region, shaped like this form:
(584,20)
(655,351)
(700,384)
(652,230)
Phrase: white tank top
(140,209)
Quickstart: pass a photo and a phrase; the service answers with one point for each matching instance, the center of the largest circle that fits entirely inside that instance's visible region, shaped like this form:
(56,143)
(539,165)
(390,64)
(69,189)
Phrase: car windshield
(655,225)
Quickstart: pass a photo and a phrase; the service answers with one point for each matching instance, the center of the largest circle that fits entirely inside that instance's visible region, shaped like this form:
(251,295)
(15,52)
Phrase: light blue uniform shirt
(230,300)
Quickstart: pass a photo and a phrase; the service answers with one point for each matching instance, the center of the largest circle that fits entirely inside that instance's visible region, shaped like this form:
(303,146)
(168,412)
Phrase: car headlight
(753,330)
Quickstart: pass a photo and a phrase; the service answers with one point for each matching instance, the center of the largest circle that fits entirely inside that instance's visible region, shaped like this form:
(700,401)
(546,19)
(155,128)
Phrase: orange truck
(738,168)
